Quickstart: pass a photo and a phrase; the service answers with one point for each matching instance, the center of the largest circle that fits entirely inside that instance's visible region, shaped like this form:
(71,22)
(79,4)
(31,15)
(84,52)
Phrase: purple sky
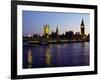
(33,22)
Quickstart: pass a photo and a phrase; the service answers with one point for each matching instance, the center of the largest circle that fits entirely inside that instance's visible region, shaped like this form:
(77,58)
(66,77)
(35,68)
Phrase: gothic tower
(46,30)
(57,30)
(82,26)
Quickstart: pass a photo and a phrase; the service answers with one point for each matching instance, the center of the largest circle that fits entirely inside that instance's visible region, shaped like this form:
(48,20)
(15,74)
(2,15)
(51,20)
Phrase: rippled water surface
(56,55)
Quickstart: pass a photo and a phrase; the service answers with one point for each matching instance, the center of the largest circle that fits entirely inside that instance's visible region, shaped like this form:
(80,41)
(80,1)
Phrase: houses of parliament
(68,35)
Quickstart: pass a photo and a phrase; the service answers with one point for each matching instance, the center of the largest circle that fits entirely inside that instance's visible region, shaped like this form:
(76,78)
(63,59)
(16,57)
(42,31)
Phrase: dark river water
(56,55)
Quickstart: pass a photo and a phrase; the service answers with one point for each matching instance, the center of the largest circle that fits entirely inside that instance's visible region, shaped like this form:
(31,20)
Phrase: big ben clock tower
(82,26)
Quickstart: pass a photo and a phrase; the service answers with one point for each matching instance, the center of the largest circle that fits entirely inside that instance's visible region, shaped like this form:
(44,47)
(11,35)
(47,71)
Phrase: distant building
(55,34)
(82,26)
(46,31)
(57,31)
(77,36)
(69,34)
(83,35)
(36,37)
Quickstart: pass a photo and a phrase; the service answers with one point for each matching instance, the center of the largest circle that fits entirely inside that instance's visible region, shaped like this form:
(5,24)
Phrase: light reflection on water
(29,59)
(48,56)
(56,55)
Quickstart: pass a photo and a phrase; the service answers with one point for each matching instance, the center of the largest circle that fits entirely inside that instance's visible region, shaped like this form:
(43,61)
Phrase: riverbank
(56,42)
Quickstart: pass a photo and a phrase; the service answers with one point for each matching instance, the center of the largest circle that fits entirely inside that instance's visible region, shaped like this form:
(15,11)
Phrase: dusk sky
(34,21)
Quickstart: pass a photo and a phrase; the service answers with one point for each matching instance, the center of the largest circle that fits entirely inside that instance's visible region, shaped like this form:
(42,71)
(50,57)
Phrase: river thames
(56,55)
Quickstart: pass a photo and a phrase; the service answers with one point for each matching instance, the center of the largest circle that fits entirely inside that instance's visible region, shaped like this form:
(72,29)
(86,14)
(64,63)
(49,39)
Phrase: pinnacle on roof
(82,23)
